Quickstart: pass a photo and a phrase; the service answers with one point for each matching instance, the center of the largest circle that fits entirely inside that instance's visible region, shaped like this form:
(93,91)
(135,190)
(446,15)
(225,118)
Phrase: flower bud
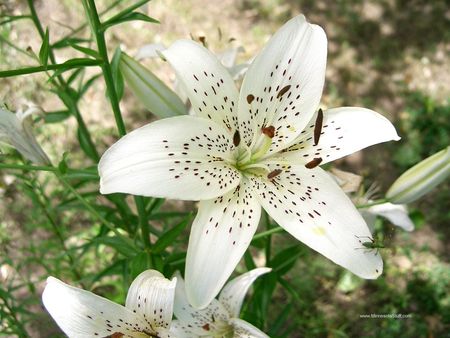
(420,179)
(151,91)
(16,131)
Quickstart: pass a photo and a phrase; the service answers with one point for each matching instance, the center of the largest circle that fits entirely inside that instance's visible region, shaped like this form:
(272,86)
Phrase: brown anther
(205,327)
(274,173)
(283,91)
(116,335)
(268,131)
(314,163)
(318,126)
(250,98)
(202,39)
(236,138)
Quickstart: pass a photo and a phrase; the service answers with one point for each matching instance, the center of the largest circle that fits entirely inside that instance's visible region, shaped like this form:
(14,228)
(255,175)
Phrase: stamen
(268,131)
(274,173)
(314,163)
(283,91)
(205,327)
(236,138)
(318,127)
(250,98)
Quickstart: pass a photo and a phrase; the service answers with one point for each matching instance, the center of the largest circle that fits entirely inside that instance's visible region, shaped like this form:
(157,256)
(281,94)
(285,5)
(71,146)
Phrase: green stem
(72,104)
(43,168)
(106,67)
(90,7)
(267,233)
(94,212)
(380,201)
(38,69)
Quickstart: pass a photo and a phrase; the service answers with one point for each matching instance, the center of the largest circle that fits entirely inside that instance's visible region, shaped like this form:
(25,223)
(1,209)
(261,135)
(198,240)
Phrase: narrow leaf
(45,49)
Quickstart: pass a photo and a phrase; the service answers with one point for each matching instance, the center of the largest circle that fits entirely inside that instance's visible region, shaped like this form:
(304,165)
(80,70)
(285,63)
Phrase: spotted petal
(151,295)
(232,295)
(208,84)
(344,131)
(243,329)
(181,157)
(82,314)
(193,321)
(221,233)
(283,85)
(309,205)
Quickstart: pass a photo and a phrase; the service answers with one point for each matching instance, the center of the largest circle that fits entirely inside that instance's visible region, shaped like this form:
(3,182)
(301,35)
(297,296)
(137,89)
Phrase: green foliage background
(55,222)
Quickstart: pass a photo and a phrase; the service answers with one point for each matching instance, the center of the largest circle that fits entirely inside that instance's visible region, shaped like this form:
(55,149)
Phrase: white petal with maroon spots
(310,206)
(82,314)
(209,86)
(220,234)
(233,294)
(207,321)
(283,85)
(181,157)
(243,329)
(344,131)
(152,296)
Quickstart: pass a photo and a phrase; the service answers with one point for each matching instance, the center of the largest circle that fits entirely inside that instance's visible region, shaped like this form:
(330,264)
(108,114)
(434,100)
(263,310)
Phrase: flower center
(247,158)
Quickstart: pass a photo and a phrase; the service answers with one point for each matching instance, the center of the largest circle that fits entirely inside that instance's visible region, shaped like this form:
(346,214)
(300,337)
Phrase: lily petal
(344,131)
(152,296)
(243,329)
(180,157)
(208,84)
(283,86)
(233,294)
(82,314)
(220,234)
(397,214)
(204,322)
(310,206)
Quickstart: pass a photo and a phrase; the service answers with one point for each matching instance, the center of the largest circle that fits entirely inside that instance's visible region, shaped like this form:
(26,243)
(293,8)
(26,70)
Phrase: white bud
(420,179)
(151,91)
(16,131)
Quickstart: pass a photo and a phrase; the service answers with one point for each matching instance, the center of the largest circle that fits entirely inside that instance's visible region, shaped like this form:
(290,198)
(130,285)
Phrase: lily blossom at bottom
(147,312)
(221,317)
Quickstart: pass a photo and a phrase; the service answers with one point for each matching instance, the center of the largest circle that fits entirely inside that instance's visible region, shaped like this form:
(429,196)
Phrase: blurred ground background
(391,56)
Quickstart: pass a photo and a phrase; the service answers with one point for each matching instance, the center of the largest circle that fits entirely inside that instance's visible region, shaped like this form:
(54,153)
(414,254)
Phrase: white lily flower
(147,312)
(221,317)
(16,131)
(257,148)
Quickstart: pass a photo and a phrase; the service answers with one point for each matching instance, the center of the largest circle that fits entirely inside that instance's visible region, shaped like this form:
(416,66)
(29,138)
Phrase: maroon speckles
(314,163)
(318,127)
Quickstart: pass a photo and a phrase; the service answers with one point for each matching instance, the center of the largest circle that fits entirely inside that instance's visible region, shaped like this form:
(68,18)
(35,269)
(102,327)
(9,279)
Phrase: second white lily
(258,148)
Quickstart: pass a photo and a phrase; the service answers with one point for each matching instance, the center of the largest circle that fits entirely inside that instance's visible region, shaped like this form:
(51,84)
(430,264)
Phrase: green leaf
(87,51)
(56,116)
(117,75)
(139,263)
(118,244)
(69,41)
(133,16)
(45,49)
(170,236)
(85,145)
(62,165)
(285,259)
